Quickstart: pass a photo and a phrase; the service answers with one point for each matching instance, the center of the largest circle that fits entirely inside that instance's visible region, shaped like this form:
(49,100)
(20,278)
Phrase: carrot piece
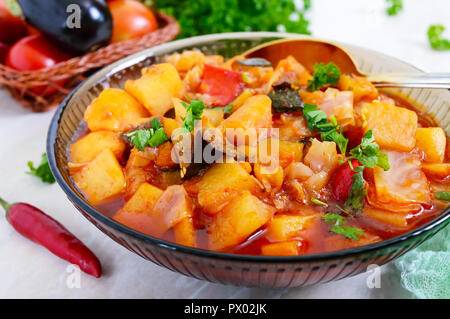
(164,157)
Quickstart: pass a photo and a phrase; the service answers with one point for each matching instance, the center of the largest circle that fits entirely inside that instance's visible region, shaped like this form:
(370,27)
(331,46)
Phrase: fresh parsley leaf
(435,38)
(226,109)
(152,137)
(323,75)
(339,226)
(194,112)
(158,138)
(329,131)
(395,6)
(368,153)
(442,196)
(357,191)
(42,171)
(318,202)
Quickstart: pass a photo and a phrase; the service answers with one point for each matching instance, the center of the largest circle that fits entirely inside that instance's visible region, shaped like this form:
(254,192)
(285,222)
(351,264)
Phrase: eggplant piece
(285,99)
(77,26)
(217,148)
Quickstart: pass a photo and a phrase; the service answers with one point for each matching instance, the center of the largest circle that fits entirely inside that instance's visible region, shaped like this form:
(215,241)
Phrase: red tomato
(342,181)
(35,52)
(131,19)
(4,48)
(222,84)
(12,28)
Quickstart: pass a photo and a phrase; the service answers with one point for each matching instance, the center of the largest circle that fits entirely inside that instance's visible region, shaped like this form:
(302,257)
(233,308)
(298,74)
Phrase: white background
(27,270)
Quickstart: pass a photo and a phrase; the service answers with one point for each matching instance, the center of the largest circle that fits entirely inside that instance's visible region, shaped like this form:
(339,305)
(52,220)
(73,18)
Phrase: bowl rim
(82,204)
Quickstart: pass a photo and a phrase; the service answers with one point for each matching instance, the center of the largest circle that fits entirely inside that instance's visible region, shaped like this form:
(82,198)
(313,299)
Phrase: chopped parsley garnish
(329,131)
(442,196)
(152,137)
(368,153)
(318,202)
(226,109)
(395,6)
(339,226)
(435,38)
(42,171)
(194,112)
(324,75)
(358,192)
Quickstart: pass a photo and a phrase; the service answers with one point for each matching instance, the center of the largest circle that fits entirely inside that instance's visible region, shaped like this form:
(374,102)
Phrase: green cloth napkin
(425,271)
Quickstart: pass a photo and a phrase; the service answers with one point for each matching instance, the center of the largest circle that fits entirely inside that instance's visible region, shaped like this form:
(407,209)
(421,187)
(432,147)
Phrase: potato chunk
(239,219)
(101,179)
(285,227)
(431,141)
(404,183)
(114,110)
(156,88)
(393,127)
(286,151)
(214,115)
(360,87)
(90,146)
(286,248)
(438,170)
(138,211)
(255,113)
(221,183)
(184,232)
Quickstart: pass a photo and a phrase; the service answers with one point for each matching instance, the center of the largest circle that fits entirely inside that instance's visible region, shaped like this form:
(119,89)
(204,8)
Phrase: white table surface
(29,271)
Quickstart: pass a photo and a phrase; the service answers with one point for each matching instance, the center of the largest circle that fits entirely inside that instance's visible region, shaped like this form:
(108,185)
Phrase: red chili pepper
(35,225)
(222,84)
(342,181)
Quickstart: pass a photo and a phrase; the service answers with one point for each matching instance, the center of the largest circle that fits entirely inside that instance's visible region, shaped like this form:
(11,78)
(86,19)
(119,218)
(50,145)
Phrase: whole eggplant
(77,26)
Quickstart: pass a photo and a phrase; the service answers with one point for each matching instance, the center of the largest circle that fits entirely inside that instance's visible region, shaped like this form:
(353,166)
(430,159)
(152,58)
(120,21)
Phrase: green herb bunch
(206,17)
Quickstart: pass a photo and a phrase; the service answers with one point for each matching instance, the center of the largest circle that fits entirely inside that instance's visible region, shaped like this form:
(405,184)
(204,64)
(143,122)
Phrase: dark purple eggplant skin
(50,17)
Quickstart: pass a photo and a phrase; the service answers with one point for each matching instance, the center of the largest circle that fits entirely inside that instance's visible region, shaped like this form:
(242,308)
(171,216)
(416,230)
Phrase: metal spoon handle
(411,80)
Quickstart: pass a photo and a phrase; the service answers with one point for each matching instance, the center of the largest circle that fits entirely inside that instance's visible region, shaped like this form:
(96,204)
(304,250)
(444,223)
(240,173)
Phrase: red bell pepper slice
(221,84)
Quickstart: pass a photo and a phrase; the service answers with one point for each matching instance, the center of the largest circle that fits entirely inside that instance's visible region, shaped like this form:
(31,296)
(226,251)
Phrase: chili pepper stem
(6,206)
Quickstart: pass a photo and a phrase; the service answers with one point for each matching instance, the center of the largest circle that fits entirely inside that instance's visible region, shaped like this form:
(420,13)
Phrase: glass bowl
(241,270)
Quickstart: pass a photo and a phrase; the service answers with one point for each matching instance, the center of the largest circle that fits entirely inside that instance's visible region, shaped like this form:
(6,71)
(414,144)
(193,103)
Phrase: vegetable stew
(247,157)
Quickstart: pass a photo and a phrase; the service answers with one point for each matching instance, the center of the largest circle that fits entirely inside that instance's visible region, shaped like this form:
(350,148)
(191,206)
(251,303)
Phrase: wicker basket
(20,84)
